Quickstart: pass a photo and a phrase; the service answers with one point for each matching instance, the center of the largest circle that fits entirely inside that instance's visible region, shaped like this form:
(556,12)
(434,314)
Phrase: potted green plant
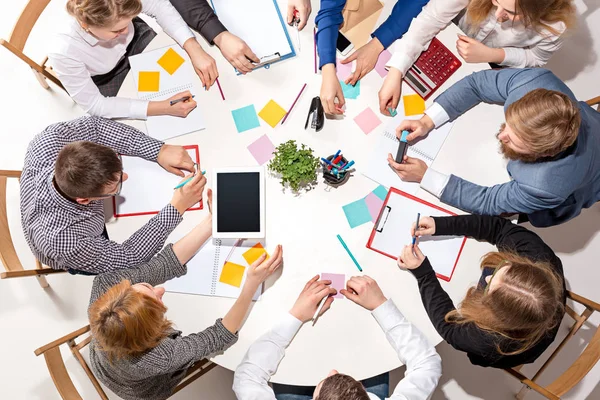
(296,167)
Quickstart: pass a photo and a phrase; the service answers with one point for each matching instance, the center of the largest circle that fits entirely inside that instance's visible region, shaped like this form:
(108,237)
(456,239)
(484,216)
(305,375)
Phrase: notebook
(425,149)
(207,274)
(145,176)
(391,232)
(259,23)
(172,79)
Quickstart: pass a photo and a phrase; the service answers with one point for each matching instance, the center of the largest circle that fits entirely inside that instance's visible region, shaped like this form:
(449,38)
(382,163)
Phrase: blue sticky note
(350,92)
(357,213)
(381,192)
(245,118)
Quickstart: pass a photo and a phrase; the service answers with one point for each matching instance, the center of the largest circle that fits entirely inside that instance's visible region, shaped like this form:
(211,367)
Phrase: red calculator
(433,67)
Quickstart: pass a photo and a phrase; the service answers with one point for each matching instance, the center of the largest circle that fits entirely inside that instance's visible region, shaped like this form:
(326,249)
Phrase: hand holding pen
(180,105)
(189,192)
(425,227)
(314,300)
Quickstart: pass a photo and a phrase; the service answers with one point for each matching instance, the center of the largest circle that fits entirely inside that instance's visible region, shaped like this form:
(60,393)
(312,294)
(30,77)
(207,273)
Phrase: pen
(184,98)
(296,22)
(293,104)
(348,165)
(416,229)
(186,181)
(349,253)
(327,162)
(321,304)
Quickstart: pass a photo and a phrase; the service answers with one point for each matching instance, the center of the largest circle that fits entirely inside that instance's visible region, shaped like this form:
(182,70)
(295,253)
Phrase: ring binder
(215,277)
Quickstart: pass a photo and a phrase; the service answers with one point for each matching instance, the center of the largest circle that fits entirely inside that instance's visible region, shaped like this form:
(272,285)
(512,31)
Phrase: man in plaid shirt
(69,169)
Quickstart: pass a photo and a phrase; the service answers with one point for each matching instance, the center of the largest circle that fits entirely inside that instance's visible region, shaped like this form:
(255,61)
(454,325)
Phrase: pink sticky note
(374,204)
(338,282)
(343,71)
(384,57)
(262,149)
(367,121)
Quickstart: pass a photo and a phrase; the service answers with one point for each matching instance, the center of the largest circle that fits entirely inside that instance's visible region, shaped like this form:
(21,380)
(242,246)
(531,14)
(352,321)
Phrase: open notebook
(392,232)
(426,149)
(176,78)
(209,275)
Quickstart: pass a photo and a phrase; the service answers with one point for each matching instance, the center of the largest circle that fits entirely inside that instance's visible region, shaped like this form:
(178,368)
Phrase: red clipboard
(154,212)
(394,191)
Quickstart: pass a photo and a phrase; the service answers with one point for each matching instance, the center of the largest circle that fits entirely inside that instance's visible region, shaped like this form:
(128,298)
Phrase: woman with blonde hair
(509,33)
(90,55)
(514,313)
(135,351)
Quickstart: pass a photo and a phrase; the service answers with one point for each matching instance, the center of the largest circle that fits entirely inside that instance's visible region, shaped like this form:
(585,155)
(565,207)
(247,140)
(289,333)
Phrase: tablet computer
(238,203)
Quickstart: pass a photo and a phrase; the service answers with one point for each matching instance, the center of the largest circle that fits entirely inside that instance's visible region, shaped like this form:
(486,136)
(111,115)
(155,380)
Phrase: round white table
(347,337)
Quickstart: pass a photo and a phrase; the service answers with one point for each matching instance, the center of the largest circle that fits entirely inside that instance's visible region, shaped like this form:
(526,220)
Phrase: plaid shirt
(64,234)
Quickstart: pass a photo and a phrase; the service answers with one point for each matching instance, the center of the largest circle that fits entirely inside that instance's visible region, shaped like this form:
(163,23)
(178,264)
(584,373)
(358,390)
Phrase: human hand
(174,159)
(309,299)
(366,58)
(262,268)
(473,51)
(189,194)
(411,257)
(181,108)
(304,8)
(204,65)
(411,169)
(389,94)
(417,128)
(364,291)
(236,51)
(209,200)
(426,227)
(330,91)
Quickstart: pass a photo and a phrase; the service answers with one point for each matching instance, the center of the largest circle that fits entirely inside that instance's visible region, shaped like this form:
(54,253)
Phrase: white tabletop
(347,337)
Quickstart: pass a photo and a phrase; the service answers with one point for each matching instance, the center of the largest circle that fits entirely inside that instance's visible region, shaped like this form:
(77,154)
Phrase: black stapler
(318,115)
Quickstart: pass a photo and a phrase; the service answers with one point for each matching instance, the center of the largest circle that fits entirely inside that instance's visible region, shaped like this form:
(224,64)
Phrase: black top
(479,344)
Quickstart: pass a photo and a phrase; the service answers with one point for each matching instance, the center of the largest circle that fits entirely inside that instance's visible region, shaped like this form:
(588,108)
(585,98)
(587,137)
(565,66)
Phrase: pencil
(349,253)
(293,104)
(220,90)
(315,49)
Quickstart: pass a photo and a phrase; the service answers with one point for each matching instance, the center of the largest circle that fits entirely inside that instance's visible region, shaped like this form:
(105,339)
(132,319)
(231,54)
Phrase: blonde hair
(545,120)
(103,13)
(537,14)
(527,305)
(126,323)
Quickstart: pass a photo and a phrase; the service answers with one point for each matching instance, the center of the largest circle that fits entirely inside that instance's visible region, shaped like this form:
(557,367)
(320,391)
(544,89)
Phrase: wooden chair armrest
(594,101)
(30,272)
(526,381)
(10,173)
(582,300)
(64,339)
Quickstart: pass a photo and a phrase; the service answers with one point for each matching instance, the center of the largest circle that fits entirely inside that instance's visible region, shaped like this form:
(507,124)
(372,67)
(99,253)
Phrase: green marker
(349,253)
(186,181)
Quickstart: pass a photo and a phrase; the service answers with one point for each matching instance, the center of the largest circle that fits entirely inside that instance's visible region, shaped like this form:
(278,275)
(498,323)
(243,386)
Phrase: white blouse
(76,56)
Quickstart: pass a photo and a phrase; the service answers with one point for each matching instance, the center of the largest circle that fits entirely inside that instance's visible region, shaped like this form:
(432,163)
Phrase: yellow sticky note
(148,81)
(171,61)
(232,274)
(254,253)
(413,105)
(272,113)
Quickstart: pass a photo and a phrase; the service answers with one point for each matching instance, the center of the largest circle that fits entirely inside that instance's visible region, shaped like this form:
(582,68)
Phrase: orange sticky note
(272,113)
(254,253)
(413,105)
(171,61)
(148,81)
(232,274)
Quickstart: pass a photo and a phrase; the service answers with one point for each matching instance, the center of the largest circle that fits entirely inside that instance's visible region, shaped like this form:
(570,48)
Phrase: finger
(327,305)
(349,295)
(290,14)
(247,64)
(341,101)
(201,76)
(395,165)
(259,261)
(329,107)
(401,263)
(310,282)
(418,251)
(304,12)
(250,55)
(175,171)
(186,164)
(325,290)
(350,58)
(239,65)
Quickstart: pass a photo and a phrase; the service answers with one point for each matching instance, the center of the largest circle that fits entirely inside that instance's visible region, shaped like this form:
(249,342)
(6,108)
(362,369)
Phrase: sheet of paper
(367,120)
(381,192)
(262,149)
(413,105)
(148,81)
(343,71)
(254,253)
(232,274)
(384,57)
(245,118)
(338,282)
(374,204)
(350,92)
(171,61)
(357,213)
(272,113)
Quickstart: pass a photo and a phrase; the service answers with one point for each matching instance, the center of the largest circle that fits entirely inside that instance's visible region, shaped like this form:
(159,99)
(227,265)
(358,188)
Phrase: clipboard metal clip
(383,217)
(267,60)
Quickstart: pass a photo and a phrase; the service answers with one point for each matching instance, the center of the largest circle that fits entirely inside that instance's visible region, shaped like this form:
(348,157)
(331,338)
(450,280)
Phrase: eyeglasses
(119,185)
(487,288)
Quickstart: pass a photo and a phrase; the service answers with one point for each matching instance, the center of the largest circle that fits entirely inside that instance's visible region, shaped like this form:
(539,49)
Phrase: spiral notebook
(208,275)
(170,82)
(425,149)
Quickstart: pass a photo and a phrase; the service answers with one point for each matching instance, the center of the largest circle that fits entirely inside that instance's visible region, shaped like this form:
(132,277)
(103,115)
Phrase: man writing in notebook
(423,364)
(551,142)
(69,169)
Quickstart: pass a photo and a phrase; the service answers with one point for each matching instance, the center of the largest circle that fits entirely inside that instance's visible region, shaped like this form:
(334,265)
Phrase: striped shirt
(66,235)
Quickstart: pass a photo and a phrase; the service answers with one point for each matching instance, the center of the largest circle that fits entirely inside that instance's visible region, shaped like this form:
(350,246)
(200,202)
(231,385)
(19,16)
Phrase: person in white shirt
(508,33)
(90,55)
(423,364)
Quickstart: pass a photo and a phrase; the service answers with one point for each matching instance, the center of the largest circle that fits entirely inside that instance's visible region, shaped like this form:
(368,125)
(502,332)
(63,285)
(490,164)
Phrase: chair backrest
(8,255)
(594,102)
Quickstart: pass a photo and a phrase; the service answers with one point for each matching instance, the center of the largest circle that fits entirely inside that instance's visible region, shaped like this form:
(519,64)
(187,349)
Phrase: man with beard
(552,143)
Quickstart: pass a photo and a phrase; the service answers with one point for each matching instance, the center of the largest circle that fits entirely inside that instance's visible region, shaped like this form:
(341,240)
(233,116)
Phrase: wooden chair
(594,102)
(62,380)
(18,38)
(579,369)
(8,255)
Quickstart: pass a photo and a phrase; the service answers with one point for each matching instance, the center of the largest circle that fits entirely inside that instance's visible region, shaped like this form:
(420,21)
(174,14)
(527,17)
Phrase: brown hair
(523,309)
(342,387)
(103,13)
(545,120)
(537,14)
(126,323)
(83,169)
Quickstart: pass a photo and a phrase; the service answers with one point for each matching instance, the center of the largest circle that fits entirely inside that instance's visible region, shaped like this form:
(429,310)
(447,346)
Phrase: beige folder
(360,17)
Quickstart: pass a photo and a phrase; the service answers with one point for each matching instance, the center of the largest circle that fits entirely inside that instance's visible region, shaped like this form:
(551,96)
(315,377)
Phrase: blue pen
(328,162)
(336,154)
(348,165)
(416,229)
(349,253)
(186,181)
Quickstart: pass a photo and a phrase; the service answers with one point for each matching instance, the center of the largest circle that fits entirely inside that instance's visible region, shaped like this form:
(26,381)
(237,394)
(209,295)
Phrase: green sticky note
(350,92)
(245,118)
(357,213)
(381,192)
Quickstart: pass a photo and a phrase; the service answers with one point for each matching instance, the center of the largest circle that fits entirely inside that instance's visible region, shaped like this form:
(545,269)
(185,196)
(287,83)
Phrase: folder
(360,18)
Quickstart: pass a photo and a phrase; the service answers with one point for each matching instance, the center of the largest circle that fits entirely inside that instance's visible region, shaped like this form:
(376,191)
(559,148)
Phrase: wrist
(498,56)
(378,303)
(376,44)
(328,70)
(394,73)
(191,46)
(219,38)
(427,122)
(179,207)
(298,315)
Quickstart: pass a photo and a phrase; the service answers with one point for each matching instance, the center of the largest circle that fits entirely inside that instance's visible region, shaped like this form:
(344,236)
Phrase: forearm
(328,21)
(126,140)
(200,16)
(234,318)
(186,247)
(169,19)
(399,21)
(480,227)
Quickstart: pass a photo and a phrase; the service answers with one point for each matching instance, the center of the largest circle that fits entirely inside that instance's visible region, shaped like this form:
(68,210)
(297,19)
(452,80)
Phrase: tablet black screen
(238,202)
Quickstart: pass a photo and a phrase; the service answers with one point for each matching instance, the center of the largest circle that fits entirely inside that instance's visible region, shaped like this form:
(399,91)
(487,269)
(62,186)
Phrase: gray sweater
(154,374)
